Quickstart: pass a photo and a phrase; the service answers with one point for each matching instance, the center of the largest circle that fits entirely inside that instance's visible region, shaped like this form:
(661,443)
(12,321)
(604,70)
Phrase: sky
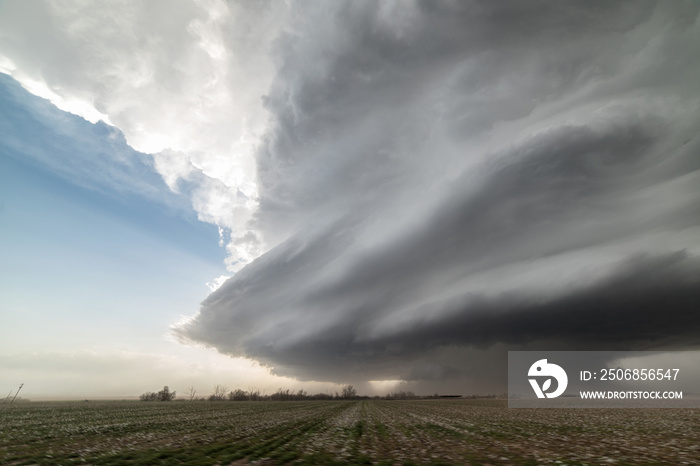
(308,194)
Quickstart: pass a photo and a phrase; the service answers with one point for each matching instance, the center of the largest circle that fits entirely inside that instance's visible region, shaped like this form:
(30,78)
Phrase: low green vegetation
(382,432)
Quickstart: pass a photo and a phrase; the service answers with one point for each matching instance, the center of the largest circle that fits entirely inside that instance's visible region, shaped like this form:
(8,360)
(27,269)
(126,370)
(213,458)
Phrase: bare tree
(349,392)
(282,394)
(166,394)
(163,395)
(253,394)
(238,395)
(148,396)
(219,393)
(401,395)
(192,392)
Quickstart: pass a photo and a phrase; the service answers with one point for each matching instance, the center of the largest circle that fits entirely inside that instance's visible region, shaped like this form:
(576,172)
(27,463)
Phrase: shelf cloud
(452,178)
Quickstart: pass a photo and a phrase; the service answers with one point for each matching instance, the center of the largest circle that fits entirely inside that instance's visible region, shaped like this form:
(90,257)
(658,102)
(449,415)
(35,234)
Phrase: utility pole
(20,388)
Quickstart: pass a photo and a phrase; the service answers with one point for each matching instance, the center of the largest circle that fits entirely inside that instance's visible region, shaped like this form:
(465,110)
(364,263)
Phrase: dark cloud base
(650,303)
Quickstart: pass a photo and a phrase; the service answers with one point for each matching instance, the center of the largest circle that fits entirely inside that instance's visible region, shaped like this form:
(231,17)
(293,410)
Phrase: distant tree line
(402,395)
(221,393)
(348,392)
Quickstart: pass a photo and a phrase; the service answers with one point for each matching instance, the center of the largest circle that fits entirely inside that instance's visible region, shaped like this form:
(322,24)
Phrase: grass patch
(357,430)
(381,430)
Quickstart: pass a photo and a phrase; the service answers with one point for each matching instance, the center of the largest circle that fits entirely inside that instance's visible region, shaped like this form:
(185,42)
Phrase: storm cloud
(442,179)
(405,190)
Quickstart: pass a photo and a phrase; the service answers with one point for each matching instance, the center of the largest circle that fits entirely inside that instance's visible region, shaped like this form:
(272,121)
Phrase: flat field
(342,432)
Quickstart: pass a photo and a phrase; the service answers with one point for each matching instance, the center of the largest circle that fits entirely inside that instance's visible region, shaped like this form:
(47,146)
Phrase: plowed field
(342,432)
